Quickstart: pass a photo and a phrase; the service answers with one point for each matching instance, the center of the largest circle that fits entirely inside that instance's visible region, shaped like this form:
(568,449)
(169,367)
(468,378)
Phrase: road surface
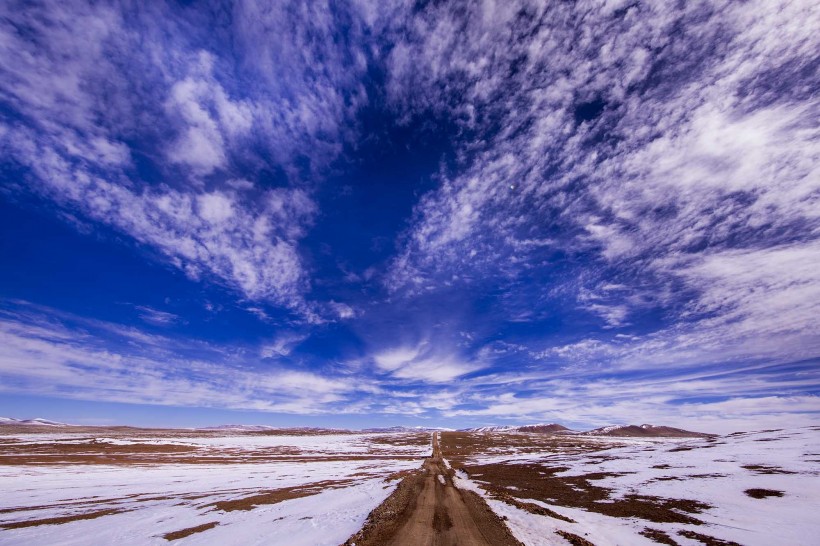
(428,510)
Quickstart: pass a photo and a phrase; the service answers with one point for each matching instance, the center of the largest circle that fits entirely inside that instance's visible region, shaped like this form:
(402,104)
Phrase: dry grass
(401,440)
(518,482)
(766,469)
(102,453)
(530,507)
(763,493)
(706,539)
(182,533)
(273,496)
(61,519)
(658,536)
(575,540)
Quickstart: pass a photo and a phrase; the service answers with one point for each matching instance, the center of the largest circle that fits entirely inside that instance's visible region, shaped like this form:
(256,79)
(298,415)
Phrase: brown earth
(658,536)
(515,483)
(766,469)
(59,520)
(182,533)
(706,539)
(427,509)
(763,493)
(132,432)
(273,496)
(575,540)
(91,451)
(84,450)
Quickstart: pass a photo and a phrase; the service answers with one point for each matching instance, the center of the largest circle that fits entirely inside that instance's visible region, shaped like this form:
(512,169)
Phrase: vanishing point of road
(427,509)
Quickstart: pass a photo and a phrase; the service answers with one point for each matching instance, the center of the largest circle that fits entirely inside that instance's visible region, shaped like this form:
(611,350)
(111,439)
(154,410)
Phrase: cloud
(117,118)
(713,399)
(436,369)
(57,354)
(394,359)
(155,316)
(251,247)
(342,310)
(94,360)
(633,210)
(282,345)
(423,363)
(692,180)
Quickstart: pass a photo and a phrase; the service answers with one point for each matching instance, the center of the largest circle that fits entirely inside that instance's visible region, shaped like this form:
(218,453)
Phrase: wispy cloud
(155,316)
(695,189)
(282,345)
(624,221)
(99,98)
(423,363)
(97,361)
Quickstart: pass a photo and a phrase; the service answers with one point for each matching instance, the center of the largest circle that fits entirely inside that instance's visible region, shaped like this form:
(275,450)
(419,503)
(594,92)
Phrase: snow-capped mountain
(551,428)
(406,429)
(645,431)
(37,422)
(612,430)
(239,428)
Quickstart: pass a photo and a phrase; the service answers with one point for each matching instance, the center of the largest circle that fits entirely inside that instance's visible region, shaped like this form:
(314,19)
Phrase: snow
(162,498)
(37,421)
(328,518)
(310,444)
(735,516)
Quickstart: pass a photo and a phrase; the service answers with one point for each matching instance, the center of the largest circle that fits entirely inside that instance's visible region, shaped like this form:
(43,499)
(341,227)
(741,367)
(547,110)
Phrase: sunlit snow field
(717,472)
(314,489)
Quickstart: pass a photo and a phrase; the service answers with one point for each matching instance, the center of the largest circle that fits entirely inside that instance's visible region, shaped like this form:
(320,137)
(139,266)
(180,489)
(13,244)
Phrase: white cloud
(714,400)
(282,345)
(155,316)
(247,246)
(93,89)
(436,369)
(423,363)
(342,310)
(215,208)
(211,119)
(697,184)
(46,356)
(394,359)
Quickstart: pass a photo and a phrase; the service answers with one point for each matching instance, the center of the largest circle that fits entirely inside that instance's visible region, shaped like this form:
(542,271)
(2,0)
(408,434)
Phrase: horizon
(46,423)
(373,214)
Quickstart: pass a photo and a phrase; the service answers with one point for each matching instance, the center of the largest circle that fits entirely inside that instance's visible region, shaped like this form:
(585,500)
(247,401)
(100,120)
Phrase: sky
(384,212)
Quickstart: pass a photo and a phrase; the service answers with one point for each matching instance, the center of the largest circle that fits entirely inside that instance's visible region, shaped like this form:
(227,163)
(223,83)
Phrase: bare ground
(182,533)
(516,483)
(427,509)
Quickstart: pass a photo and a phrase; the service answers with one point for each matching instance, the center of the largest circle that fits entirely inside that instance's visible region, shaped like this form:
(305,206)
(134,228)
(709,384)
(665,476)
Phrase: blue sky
(381,212)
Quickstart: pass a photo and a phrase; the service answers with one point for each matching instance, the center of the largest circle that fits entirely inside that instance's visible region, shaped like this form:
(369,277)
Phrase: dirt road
(427,509)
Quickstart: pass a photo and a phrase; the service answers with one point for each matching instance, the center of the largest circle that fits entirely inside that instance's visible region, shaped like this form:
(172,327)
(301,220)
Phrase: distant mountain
(625,431)
(266,429)
(553,428)
(493,428)
(653,431)
(239,428)
(29,422)
(550,428)
(406,429)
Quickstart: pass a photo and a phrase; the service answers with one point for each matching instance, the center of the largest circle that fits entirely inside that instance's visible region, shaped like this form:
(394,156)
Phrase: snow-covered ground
(139,503)
(310,444)
(318,489)
(717,472)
